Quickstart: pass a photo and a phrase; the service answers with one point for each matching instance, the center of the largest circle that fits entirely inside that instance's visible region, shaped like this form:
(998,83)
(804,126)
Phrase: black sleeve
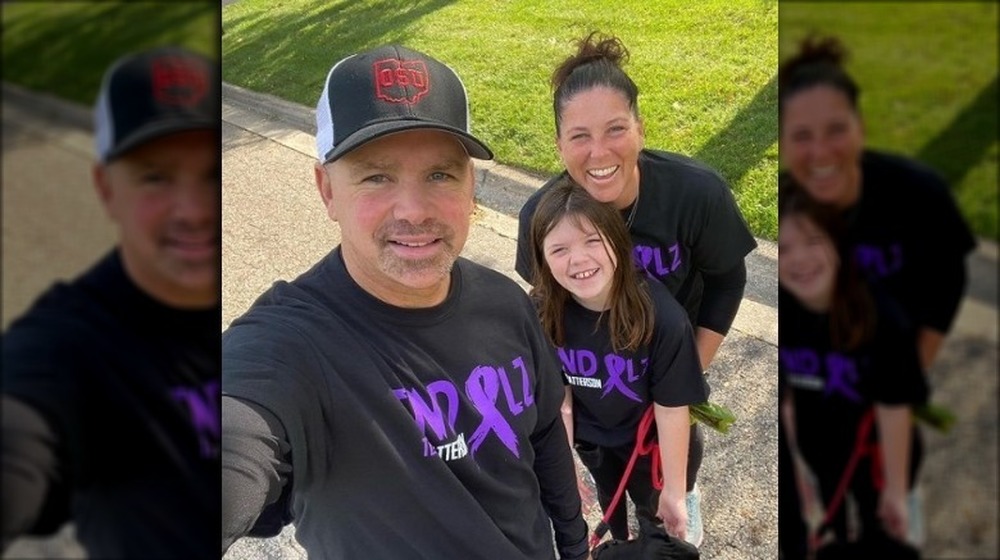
(33,489)
(722,297)
(254,466)
(560,497)
(675,378)
(554,467)
(898,377)
(949,288)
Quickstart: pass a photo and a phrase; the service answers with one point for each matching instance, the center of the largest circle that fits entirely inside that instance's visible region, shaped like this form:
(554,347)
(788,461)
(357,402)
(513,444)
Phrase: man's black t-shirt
(130,389)
(413,433)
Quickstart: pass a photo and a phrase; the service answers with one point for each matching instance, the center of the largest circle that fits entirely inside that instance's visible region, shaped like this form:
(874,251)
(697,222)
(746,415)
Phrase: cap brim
(152,131)
(473,146)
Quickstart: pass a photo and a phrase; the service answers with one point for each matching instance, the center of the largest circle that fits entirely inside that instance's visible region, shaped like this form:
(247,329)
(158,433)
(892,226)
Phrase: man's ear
(325,189)
(102,186)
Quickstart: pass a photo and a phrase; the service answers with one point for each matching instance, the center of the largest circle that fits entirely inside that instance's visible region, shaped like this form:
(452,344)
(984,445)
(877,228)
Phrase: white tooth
(411,244)
(604,172)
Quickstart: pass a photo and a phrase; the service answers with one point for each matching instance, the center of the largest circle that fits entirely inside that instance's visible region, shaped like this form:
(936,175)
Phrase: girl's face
(599,142)
(807,262)
(581,262)
(821,143)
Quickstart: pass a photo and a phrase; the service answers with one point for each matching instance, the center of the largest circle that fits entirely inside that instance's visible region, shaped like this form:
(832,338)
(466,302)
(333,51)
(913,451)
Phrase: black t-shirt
(833,389)
(686,225)
(131,389)
(414,433)
(611,390)
(907,233)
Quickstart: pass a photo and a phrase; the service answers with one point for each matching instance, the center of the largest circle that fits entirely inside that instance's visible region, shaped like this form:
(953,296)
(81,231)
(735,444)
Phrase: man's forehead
(429,148)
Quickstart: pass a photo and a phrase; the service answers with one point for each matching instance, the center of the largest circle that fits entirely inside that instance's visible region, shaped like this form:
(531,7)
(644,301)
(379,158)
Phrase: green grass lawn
(64,48)
(928,78)
(705,70)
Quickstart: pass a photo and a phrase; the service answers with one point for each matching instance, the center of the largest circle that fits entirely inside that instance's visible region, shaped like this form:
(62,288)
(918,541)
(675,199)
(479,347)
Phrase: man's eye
(440,176)
(154,178)
(377,179)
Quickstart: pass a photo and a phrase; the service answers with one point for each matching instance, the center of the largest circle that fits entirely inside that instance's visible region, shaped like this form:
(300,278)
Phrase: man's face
(164,197)
(403,203)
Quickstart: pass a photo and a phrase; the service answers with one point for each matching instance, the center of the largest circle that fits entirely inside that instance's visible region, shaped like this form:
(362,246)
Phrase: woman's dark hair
(852,309)
(819,62)
(630,316)
(597,62)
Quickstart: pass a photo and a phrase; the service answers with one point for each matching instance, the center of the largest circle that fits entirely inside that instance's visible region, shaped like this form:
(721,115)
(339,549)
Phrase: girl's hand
(893,512)
(673,513)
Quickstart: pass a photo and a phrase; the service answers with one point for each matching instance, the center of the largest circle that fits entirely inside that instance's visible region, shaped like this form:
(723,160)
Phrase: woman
(844,350)
(686,230)
(625,343)
(915,253)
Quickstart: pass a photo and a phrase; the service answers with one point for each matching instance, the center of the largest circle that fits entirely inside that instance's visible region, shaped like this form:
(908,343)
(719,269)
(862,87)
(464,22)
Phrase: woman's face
(821,142)
(580,261)
(807,262)
(599,142)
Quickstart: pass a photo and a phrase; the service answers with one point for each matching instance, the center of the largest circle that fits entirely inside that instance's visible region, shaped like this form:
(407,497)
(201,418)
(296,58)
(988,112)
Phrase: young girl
(625,343)
(844,350)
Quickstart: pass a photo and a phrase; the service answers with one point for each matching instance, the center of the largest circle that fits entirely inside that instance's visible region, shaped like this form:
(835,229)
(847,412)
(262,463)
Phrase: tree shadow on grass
(750,133)
(329,31)
(965,142)
(66,51)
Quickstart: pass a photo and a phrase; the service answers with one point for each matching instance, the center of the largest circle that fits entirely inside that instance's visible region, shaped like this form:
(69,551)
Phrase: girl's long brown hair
(630,313)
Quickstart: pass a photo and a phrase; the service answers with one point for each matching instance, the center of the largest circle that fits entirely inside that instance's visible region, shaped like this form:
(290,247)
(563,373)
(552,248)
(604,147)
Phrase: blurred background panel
(927,73)
(928,78)
(53,57)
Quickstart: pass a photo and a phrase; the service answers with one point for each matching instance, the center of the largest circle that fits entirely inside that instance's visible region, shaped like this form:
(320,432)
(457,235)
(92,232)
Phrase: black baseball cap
(154,93)
(390,89)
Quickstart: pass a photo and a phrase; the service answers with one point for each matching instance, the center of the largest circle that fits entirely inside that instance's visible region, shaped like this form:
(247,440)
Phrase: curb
(303,119)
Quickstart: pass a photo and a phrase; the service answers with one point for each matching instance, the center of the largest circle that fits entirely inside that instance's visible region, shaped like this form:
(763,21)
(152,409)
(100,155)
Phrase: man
(396,400)
(111,381)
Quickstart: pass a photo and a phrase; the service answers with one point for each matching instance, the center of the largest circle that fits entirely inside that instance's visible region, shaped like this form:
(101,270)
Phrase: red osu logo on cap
(178,81)
(401,81)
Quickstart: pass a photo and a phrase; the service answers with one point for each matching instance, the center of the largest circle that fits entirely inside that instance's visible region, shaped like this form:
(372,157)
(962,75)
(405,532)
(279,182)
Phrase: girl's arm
(673,428)
(894,426)
(567,414)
